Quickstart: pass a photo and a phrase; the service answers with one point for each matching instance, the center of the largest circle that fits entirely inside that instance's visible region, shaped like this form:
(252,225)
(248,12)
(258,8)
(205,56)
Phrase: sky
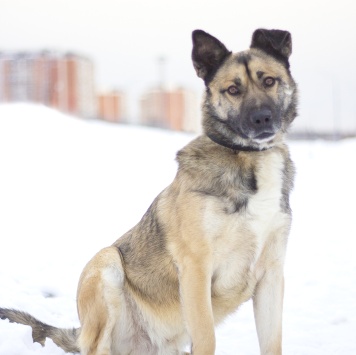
(126,38)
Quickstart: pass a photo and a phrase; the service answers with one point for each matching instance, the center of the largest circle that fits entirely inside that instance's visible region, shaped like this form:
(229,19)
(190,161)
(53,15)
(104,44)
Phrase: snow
(69,187)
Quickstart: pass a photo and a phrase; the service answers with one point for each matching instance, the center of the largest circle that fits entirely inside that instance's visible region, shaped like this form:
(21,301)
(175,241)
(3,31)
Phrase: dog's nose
(261,119)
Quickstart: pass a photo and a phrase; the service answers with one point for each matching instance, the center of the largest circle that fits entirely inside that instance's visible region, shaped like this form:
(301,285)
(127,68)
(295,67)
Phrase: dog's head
(250,97)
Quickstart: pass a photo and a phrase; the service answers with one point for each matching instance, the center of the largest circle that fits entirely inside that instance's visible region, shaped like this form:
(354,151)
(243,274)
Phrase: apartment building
(65,81)
(112,106)
(62,81)
(175,109)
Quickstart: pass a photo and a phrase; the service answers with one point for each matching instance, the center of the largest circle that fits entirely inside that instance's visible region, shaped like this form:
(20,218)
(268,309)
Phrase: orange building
(62,81)
(111,106)
(4,85)
(175,109)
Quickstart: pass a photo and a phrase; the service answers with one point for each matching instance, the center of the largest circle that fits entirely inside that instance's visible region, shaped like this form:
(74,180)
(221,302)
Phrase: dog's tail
(64,338)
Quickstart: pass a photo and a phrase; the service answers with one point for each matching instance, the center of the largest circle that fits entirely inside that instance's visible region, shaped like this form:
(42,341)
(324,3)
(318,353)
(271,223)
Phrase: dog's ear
(207,55)
(276,43)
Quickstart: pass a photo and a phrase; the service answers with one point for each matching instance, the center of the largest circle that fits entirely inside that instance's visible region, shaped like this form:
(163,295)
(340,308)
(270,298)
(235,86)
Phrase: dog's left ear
(276,43)
(208,54)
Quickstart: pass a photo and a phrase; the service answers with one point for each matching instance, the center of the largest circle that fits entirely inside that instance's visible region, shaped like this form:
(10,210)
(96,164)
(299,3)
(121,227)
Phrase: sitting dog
(216,236)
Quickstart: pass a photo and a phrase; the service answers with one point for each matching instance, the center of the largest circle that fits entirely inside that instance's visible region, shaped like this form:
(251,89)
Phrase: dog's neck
(236,147)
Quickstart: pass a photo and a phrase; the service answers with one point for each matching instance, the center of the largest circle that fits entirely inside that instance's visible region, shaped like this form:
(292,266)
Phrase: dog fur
(216,236)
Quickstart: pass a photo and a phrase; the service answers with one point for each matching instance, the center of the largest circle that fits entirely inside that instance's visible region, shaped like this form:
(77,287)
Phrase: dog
(213,239)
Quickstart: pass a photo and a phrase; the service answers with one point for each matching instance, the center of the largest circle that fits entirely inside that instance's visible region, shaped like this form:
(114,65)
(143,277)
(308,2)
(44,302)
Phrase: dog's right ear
(276,43)
(207,55)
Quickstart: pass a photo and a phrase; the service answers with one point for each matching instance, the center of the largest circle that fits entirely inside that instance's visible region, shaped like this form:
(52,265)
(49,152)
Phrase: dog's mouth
(261,137)
(264,137)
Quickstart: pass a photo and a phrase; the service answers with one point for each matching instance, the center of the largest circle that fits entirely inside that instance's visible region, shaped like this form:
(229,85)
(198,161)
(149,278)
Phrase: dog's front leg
(195,289)
(268,306)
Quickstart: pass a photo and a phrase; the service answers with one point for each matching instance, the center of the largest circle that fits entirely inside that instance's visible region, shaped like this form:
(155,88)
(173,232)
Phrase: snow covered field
(69,187)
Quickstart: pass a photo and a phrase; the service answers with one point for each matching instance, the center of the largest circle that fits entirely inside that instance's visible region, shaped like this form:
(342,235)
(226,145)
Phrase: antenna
(336,108)
(161,61)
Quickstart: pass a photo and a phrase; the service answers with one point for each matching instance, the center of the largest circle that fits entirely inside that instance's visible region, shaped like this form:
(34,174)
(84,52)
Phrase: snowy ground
(69,187)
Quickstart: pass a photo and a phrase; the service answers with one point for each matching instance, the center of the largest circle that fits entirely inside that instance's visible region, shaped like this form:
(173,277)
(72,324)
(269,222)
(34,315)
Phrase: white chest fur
(263,209)
(238,239)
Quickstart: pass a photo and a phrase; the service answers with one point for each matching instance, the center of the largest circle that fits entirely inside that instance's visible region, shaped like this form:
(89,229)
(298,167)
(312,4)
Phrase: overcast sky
(125,38)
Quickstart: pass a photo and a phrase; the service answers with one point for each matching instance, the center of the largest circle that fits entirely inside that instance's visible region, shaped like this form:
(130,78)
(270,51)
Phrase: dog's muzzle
(257,124)
(261,125)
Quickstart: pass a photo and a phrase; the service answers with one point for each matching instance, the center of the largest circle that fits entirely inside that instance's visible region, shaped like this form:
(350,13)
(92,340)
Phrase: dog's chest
(239,238)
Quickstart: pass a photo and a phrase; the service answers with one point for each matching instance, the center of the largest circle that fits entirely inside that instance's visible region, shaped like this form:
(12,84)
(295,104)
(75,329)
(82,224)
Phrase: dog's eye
(269,81)
(233,90)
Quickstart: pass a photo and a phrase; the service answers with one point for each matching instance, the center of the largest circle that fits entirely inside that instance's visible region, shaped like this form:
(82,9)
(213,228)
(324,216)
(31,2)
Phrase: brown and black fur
(216,236)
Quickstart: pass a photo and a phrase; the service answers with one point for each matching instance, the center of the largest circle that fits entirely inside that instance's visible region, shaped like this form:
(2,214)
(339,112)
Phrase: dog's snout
(262,123)
(261,118)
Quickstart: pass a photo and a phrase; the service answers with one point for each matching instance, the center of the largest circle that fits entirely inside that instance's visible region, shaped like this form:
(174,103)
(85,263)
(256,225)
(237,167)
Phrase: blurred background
(129,60)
